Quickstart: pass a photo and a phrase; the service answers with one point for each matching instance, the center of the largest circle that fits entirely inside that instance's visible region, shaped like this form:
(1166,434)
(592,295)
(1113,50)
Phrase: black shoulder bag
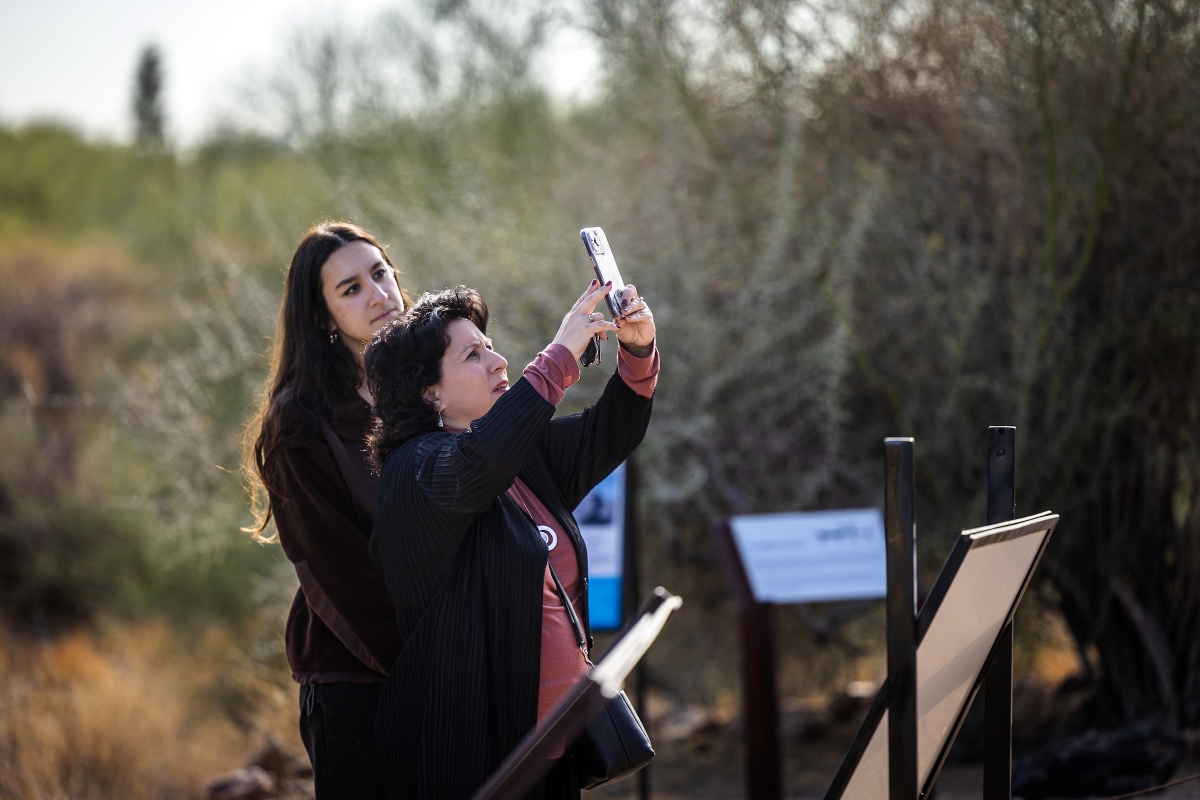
(615,744)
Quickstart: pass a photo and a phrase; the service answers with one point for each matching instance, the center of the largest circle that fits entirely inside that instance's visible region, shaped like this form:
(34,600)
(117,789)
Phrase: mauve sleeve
(639,374)
(552,373)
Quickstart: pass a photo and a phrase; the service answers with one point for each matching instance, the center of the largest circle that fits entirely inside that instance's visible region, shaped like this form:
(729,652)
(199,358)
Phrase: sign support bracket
(764,763)
(763,755)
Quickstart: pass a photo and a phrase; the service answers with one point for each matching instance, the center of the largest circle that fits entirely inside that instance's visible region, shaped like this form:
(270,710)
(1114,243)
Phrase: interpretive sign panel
(601,518)
(973,599)
(813,556)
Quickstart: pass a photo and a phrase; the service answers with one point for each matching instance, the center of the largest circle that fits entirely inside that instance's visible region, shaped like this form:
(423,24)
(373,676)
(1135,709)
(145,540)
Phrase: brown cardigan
(342,624)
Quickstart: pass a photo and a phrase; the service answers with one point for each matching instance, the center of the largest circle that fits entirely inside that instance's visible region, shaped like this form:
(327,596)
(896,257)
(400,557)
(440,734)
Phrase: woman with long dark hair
(475,532)
(305,457)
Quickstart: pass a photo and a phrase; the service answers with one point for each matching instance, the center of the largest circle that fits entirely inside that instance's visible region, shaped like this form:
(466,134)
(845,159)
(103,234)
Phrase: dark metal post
(762,705)
(900,528)
(997,688)
(1002,474)
(764,764)
(633,597)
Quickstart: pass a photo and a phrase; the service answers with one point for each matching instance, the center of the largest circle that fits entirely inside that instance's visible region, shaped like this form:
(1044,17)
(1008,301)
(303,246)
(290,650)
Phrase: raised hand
(635,328)
(583,322)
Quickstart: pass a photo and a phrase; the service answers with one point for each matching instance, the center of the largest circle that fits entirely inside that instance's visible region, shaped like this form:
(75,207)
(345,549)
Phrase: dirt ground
(710,766)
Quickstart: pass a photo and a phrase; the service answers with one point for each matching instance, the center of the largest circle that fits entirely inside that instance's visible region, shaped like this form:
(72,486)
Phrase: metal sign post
(793,557)
(899,519)
(608,522)
(633,591)
(976,594)
(764,764)
(900,522)
(997,687)
(762,558)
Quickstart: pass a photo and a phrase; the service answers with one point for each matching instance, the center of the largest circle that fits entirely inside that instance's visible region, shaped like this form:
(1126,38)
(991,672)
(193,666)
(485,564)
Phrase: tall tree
(147,98)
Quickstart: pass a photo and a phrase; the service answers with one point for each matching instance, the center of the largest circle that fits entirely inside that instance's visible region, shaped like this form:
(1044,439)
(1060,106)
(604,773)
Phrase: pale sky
(73,60)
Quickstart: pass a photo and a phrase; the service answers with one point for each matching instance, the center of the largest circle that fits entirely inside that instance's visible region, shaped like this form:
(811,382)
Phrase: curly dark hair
(405,358)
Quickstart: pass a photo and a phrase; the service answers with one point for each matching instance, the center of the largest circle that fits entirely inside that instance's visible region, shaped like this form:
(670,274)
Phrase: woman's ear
(433,396)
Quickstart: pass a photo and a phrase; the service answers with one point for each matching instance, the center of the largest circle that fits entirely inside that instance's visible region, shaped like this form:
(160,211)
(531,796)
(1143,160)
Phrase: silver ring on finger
(591,317)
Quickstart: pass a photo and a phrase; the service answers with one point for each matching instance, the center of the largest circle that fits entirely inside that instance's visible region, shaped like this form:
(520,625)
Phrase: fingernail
(608,284)
(625,302)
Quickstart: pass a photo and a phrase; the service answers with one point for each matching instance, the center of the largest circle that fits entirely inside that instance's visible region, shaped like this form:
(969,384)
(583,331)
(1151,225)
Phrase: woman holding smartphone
(305,455)
(477,484)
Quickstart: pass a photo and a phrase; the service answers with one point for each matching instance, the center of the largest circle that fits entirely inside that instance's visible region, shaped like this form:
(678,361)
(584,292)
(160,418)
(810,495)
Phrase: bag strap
(580,639)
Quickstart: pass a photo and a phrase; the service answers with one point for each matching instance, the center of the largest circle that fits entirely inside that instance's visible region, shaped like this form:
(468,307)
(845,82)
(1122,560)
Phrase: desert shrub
(127,714)
(113,499)
(923,219)
(59,565)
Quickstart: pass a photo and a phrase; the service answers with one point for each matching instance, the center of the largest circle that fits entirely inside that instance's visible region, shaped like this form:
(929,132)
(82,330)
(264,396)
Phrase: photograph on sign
(972,600)
(601,519)
(813,556)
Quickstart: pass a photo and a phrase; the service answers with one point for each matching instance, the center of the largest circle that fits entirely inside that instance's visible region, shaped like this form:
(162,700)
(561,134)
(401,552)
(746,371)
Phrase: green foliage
(63,561)
(239,584)
(52,180)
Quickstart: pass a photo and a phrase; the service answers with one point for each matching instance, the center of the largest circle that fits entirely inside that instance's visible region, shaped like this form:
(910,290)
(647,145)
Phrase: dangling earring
(333,336)
(440,424)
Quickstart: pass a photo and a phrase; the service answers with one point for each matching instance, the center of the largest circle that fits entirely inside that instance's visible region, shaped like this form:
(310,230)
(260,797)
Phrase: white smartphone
(605,266)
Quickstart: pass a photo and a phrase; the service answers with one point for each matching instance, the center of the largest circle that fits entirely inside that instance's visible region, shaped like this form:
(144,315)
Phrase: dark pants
(337,724)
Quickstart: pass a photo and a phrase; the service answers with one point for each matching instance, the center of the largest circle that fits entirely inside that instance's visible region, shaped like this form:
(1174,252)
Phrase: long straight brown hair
(309,375)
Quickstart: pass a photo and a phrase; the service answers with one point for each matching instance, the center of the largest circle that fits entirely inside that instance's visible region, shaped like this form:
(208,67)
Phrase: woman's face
(360,292)
(474,376)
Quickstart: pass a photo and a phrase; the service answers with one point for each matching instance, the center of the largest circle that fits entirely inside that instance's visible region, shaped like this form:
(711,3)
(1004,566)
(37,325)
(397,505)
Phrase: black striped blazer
(464,566)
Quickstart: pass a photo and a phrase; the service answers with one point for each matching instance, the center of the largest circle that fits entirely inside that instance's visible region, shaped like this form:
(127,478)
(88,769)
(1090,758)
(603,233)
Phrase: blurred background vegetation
(854,219)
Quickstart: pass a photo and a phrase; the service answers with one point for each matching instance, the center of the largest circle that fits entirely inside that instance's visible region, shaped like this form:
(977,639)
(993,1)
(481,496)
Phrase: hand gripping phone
(606,270)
